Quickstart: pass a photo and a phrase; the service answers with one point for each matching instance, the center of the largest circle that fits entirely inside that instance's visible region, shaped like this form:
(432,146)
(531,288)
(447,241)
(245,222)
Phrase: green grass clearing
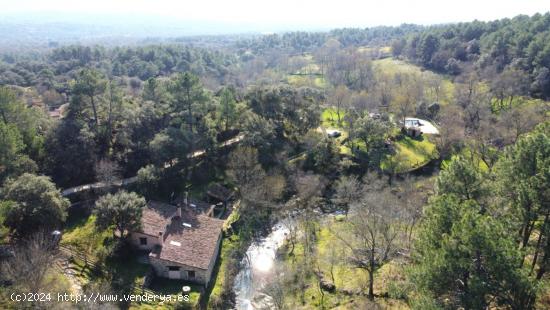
(515,102)
(467,153)
(83,235)
(309,69)
(220,270)
(410,154)
(393,66)
(329,121)
(376,51)
(346,277)
(311,80)
(329,118)
(308,75)
(442,92)
(173,288)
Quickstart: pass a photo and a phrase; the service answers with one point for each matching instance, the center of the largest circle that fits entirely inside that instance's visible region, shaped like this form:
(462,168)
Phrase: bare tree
(309,188)
(474,99)
(348,190)
(383,90)
(244,168)
(278,286)
(452,129)
(360,102)
(332,258)
(296,64)
(107,171)
(28,268)
(521,119)
(326,54)
(409,93)
(484,138)
(340,99)
(412,199)
(292,237)
(319,278)
(434,84)
(259,191)
(372,234)
(508,85)
(351,68)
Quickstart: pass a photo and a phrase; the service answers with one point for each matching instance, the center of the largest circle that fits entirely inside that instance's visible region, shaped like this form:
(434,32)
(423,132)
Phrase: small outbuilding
(333,133)
(217,193)
(416,127)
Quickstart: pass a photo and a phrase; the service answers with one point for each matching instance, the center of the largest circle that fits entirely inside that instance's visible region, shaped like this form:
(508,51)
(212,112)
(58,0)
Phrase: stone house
(182,244)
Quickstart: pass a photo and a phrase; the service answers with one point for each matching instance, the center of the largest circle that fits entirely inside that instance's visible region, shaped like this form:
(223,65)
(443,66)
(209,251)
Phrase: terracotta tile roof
(200,207)
(155,217)
(193,246)
(195,205)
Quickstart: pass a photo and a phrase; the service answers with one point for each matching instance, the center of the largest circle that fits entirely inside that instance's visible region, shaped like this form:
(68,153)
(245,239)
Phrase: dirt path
(64,266)
(123,182)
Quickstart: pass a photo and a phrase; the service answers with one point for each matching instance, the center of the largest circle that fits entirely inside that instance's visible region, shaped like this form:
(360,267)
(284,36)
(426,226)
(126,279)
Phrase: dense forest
(310,129)
(515,50)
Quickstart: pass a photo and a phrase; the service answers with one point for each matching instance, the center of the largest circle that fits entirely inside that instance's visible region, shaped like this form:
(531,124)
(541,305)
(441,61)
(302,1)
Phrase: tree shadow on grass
(77,216)
(417,148)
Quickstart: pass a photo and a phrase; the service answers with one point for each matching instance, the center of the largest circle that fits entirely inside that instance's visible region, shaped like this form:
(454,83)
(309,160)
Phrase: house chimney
(185,203)
(161,238)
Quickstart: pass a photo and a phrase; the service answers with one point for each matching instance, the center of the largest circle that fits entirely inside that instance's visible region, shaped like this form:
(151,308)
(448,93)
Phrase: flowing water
(257,269)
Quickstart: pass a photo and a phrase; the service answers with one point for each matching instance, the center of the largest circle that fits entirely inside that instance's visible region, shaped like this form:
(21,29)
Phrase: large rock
(327,286)
(263,301)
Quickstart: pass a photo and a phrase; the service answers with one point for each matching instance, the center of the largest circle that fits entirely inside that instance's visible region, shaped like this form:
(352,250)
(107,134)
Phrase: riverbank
(322,278)
(251,285)
(239,234)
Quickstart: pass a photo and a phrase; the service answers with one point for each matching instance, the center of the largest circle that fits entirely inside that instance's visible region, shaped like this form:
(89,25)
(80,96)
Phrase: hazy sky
(299,13)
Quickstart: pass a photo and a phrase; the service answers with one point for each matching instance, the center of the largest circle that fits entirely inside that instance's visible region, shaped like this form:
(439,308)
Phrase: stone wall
(213,261)
(161,270)
(151,241)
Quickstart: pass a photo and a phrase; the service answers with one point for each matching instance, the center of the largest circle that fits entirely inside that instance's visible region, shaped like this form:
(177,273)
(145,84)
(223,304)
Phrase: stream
(257,269)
